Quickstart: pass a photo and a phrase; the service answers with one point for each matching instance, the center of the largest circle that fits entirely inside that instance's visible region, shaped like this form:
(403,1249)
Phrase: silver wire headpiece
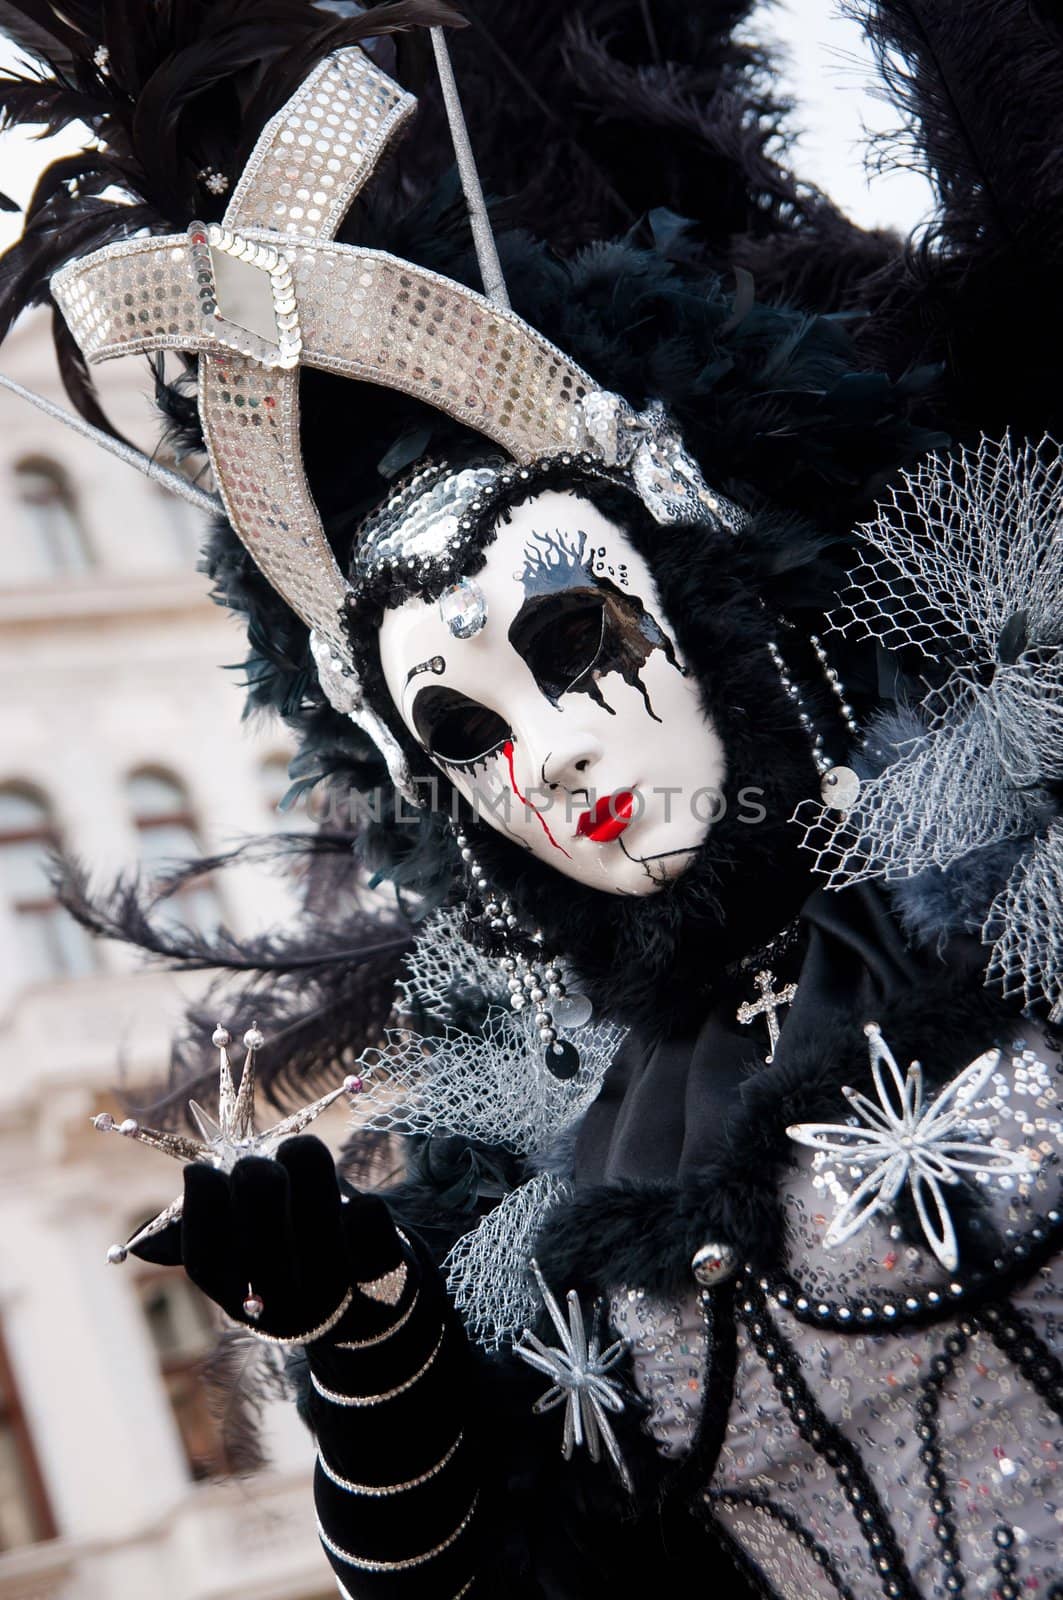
(268,290)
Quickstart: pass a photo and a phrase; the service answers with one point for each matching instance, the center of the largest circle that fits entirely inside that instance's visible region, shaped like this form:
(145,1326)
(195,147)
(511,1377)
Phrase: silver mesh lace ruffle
(966,560)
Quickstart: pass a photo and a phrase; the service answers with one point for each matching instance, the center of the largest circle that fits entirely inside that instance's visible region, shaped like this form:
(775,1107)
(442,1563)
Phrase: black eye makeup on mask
(560,639)
(577,626)
(456,730)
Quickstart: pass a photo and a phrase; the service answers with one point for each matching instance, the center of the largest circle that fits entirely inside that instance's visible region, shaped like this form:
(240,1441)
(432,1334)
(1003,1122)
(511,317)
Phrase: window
(50,942)
(25,1517)
(181,1324)
(58,543)
(163,818)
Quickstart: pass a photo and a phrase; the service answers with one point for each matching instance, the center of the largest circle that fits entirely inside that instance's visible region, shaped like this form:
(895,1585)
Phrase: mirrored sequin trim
(364,314)
(424,523)
(314,155)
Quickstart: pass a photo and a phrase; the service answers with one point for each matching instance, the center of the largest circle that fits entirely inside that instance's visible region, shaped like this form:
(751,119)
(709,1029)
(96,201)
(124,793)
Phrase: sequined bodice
(669,1353)
(925,1463)
(893,1428)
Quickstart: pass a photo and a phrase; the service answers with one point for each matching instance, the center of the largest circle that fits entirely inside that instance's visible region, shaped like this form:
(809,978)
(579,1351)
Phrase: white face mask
(565,716)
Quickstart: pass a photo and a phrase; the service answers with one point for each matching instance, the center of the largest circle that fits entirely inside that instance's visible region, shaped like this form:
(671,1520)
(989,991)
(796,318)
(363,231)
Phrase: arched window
(183,1331)
(58,543)
(166,826)
(50,943)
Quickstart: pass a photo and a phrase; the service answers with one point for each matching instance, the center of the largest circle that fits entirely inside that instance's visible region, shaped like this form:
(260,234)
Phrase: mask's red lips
(608,819)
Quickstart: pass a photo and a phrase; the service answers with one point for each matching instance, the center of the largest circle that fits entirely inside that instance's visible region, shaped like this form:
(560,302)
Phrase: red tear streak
(507,751)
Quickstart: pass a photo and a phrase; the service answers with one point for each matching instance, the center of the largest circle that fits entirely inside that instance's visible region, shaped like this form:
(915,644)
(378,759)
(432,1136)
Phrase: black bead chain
(1012,1332)
(830,1443)
(792,1524)
(877,1313)
(1006,1566)
(927,1407)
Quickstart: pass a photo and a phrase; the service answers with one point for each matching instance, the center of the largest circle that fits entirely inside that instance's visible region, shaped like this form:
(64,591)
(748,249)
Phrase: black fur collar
(645,1234)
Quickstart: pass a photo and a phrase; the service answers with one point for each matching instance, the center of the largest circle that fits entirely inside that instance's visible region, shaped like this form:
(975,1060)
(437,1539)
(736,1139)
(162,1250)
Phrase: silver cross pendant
(767,1006)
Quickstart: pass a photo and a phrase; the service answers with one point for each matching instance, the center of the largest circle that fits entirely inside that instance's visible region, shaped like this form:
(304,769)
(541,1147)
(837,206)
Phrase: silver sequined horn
(269,290)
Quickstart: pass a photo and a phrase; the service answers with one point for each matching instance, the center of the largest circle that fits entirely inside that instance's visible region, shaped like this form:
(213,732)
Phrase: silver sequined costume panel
(669,1353)
(958,1453)
(1000,1445)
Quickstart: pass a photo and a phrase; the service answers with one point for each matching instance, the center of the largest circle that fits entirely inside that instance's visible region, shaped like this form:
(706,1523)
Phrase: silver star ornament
(578,1371)
(904,1139)
(224,1142)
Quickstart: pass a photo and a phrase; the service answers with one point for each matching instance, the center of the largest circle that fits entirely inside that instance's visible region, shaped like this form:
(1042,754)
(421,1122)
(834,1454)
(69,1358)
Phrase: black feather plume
(241,1377)
(321,991)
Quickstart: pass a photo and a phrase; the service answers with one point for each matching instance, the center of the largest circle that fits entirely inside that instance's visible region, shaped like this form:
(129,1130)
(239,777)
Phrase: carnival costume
(723,1250)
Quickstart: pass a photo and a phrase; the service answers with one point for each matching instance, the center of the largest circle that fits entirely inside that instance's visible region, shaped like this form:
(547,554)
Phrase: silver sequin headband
(269,290)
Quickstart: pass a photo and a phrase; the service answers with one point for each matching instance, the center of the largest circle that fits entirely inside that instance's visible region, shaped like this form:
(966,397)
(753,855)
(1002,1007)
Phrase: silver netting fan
(1025,926)
(967,562)
(488,1272)
(442,959)
(491,1085)
(959,546)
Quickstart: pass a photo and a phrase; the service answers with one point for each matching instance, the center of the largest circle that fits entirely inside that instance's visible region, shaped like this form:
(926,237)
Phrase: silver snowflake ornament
(578,1371)
(225,1141)
(905,1139)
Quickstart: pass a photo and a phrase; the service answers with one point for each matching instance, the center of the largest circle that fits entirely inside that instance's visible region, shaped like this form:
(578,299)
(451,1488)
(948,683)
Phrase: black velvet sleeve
(394,1410)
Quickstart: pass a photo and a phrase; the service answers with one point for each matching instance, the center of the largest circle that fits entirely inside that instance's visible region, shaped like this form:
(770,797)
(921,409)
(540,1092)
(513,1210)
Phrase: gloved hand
(299,1257)
(288,1239)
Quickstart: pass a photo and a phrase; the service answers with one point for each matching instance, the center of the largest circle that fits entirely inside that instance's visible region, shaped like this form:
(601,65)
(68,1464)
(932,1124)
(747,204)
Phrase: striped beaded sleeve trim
(379,1338)
(334,1397)
(378,1491)
(405,1563)
(315,1333)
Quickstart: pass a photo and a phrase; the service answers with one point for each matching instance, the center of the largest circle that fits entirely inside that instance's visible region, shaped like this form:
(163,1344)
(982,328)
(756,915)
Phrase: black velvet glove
(300,1258)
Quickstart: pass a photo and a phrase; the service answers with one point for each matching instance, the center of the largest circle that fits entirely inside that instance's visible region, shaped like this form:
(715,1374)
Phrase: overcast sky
(827,69)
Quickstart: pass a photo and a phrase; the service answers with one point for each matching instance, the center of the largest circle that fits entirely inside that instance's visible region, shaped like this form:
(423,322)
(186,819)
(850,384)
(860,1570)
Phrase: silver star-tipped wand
(223,1142)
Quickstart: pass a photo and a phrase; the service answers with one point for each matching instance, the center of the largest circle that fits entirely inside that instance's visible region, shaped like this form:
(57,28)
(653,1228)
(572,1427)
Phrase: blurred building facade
(120,738)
